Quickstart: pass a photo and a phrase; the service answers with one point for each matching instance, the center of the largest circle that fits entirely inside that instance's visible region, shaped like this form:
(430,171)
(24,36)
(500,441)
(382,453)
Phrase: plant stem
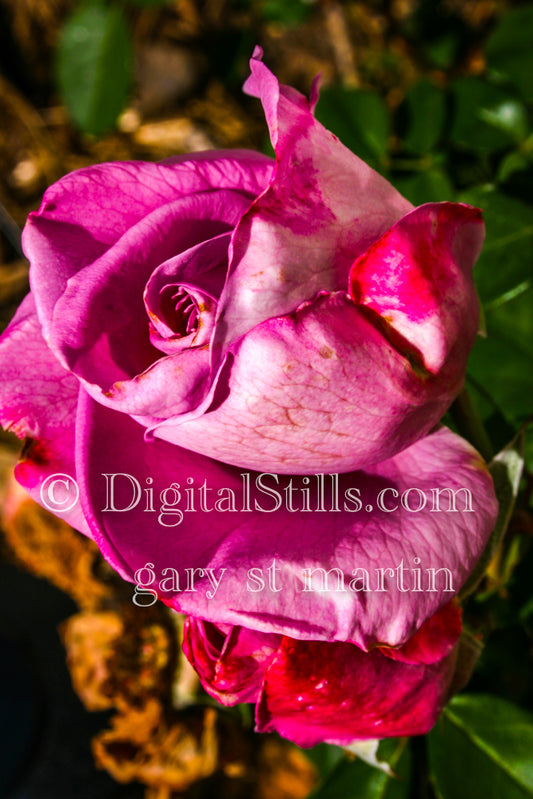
(470,425)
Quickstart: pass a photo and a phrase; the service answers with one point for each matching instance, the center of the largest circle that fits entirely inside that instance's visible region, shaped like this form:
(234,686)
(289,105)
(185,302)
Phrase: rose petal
(112,342)
(323,208)
(434,640)
(38,403)
(282,544)
(418,279)
(89,210)
(230,662)
(200,271)
(315,692)
(101,331)
(319,390)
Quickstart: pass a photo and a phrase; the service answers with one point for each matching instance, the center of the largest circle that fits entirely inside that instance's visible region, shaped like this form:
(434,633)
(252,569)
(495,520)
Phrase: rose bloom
(313,691)
(225,314)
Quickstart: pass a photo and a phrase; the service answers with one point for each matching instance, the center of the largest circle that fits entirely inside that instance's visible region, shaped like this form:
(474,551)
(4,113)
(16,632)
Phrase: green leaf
(425,104)
(429,185)
(528,455)
(325,757)
(506,470)
(150,2)
(505,267)
(485,117)
(286,12)
(94,66)
(502,364)
(481,749)
(513,162)
(509,117)
(509,51)
(442,52)
(360,119)
(367,750)
(355,779)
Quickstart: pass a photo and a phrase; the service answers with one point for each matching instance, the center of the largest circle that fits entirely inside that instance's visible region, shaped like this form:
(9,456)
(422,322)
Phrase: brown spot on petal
(397,341)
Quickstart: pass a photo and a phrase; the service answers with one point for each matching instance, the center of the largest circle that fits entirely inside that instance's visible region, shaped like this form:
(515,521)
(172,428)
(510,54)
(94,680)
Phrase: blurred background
(436,95)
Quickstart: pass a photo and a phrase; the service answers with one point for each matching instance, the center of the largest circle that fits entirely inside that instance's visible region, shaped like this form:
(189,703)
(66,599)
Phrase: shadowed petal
(100,327)
(414,561)
(89,210)
(230,661)
(435,639)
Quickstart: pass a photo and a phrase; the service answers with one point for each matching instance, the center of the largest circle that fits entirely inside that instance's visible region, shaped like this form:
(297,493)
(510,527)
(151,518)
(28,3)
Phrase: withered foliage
(47,547)
(128,659)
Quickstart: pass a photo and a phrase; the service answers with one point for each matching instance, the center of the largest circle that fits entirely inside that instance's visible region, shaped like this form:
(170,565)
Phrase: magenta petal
(286,594)
(99,327)
(230,662)
(199,273)
(319,390)
(418,279)
(193,279)
(89,210)
(323,208)
(434,640)
(316,692)
(38,401)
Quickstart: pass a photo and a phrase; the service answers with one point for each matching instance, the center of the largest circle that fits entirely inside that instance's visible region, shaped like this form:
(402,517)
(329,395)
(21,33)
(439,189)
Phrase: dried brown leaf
(90,640)
(284,772)
(142,746)
(47,547)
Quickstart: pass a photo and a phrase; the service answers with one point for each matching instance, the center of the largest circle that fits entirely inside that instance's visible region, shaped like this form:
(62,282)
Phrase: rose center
(180,310)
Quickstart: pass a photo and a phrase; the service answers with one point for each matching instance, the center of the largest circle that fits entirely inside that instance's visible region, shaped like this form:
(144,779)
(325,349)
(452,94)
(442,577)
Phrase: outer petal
(285,544)
(230,662)
(418,279)
(38,400)
(434,640)
(323,208)
(88,211)
(316,692)
(319,390)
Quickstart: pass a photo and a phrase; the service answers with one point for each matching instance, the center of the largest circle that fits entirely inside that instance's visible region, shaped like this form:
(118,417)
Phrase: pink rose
(311,691)
(220,324)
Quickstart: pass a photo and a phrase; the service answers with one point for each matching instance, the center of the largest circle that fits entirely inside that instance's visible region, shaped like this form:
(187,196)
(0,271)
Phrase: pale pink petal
(320,390)
(323,208)
(415,562)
